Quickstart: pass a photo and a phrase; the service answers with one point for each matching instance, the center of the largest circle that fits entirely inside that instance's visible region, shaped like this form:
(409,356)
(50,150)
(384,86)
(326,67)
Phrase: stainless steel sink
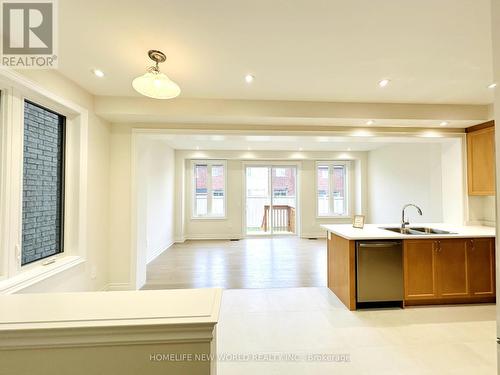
(432,231)
(417,230)
(403,230)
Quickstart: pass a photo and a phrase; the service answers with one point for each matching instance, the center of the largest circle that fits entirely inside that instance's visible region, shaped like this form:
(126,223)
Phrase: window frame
(15,89)
(210,163)
(62,183)
(347,188)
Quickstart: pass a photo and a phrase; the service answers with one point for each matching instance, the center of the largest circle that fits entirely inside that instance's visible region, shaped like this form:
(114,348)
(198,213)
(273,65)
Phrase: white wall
(160,175)
(120,230)
(155,171)
(81,277)
(454,181)
(482,210)
(405,173)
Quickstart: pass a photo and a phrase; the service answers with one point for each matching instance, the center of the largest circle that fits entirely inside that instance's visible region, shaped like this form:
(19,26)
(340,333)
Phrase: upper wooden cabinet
(481,159)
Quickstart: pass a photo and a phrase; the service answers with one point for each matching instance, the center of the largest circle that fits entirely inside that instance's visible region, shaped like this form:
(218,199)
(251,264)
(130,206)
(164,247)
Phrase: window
(43,187)
(280,172)
(43,182)
(282,192)
(332,185)
(209,198)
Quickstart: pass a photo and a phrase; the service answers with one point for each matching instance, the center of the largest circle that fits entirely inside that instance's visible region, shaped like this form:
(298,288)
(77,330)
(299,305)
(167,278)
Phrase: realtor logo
(28,39)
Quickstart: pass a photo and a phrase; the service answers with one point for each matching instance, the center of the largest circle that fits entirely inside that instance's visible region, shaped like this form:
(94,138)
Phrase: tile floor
(301,321)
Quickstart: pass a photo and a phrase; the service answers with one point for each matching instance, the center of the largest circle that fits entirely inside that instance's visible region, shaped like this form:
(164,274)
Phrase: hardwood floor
(280,262)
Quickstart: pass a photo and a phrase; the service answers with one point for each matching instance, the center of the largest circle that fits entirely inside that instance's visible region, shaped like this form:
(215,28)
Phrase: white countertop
(105,309)
(373,231)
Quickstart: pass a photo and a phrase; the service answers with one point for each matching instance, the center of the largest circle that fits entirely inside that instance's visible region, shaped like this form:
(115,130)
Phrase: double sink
(417,230)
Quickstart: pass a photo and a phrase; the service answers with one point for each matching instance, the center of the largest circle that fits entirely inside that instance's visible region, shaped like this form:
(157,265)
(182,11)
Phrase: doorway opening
(271,200)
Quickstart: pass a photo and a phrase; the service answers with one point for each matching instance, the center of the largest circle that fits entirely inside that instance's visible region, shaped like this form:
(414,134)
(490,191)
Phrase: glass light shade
(156,85)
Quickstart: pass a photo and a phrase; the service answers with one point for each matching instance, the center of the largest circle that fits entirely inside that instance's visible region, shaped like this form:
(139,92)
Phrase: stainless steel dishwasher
(379,271)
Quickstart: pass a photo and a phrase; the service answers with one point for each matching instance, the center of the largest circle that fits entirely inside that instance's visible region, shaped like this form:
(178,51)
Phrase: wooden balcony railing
(283,218)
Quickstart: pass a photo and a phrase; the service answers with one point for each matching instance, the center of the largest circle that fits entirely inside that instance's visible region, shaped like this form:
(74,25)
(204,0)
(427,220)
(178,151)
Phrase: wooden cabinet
(451,264)
(341,269)
(449,270)
(419,269)
(481,160)
(481,267)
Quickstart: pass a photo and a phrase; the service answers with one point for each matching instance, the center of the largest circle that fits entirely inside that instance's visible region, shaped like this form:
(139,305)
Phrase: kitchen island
(455,267)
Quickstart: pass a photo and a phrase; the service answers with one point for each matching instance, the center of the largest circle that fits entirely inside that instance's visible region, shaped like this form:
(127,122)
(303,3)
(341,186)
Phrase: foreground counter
(136,332)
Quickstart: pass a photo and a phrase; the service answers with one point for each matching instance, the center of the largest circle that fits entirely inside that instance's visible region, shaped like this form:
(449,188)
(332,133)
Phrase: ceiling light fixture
(155,84)
(249,78)
(98,73)
(383,82)
(492,85)
(370,122)
(300,148)
(443,123)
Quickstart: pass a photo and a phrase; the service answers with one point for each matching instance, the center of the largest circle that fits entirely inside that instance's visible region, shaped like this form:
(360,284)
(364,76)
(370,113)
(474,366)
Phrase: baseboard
(180,240)
(113,287)
(313,235)
(157,252)
(214,236)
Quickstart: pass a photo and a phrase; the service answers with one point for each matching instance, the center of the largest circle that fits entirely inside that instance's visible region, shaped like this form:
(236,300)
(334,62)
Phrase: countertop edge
(382,234)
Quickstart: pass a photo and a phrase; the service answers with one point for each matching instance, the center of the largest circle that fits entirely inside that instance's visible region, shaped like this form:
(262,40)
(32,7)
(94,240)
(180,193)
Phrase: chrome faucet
(405,222)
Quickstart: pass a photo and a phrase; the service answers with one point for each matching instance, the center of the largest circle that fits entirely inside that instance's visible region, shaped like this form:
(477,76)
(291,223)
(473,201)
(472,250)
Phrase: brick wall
(42,183)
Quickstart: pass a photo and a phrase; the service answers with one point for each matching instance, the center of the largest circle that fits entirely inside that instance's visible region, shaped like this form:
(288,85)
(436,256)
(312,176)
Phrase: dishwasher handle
(380,244)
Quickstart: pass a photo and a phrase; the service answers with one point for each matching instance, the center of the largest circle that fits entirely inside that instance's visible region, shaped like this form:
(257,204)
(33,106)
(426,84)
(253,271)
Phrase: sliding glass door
(271,199)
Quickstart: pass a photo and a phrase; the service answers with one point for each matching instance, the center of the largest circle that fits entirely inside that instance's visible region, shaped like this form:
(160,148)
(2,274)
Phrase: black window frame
(62,182)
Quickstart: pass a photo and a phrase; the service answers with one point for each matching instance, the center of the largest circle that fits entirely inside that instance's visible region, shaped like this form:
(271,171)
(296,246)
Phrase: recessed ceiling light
(492,85)
(348,149)
(249,78)
(300,148)
(249,148)
(197,147)
(98,73)
(370,122)
(383,82)
(443,123)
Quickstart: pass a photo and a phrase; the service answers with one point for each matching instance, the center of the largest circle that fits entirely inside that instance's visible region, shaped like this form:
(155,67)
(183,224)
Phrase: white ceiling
(286,143)
(434,51)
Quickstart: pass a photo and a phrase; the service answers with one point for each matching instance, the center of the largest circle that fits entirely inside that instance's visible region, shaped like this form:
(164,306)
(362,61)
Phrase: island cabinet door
(481,267)
(419,269)
(452,275)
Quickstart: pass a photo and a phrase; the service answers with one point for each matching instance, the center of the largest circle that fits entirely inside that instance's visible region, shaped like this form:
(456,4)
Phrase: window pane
(280,172)
(322,183)
(201,190)
(43,155)
(218,190)
(338,191)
